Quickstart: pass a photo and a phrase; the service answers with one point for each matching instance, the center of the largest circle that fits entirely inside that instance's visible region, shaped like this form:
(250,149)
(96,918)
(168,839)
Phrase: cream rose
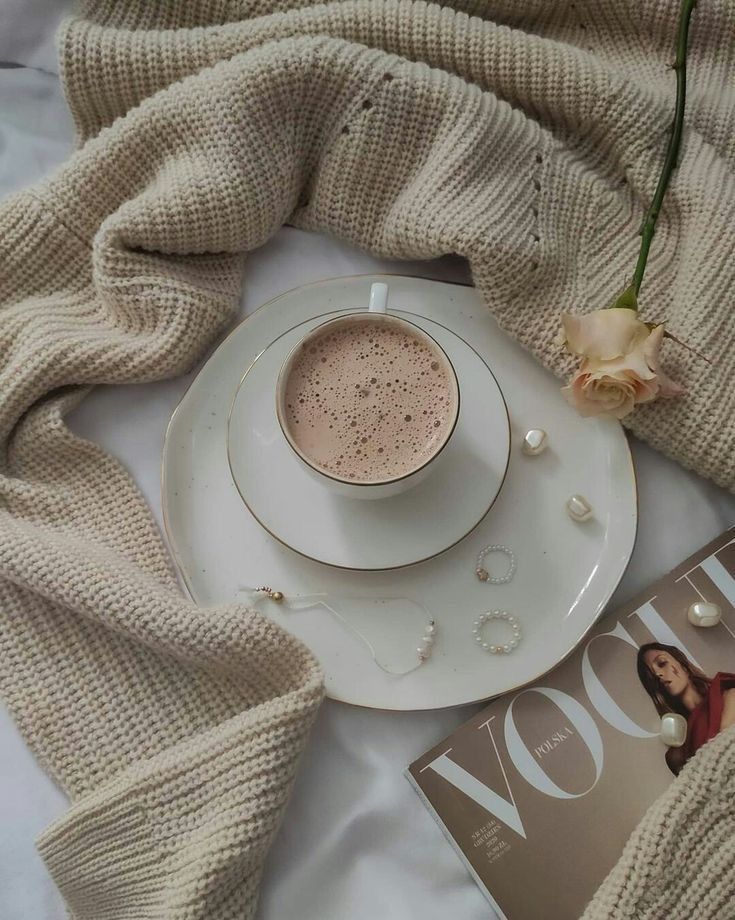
(620,367)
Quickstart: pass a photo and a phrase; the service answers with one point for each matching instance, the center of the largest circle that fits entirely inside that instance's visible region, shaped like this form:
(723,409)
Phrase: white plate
(375,534)
(566,571)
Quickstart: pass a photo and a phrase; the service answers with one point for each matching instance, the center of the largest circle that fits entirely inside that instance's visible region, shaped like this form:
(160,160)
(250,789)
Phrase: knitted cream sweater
(528,141)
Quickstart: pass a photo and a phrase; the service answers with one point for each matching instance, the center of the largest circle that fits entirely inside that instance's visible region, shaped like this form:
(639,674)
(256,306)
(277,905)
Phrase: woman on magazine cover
(676,685)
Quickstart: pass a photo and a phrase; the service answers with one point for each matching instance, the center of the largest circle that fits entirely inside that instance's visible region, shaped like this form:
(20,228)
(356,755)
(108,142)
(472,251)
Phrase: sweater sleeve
(183,834)
(680,860)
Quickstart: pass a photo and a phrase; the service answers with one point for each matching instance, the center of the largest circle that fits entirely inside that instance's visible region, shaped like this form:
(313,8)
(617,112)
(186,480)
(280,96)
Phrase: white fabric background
(356,842)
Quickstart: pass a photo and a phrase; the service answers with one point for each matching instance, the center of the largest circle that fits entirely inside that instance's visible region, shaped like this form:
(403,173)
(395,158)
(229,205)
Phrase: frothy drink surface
(367,400)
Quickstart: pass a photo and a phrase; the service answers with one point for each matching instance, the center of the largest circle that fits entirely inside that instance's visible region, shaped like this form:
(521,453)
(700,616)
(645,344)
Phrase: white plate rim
(187,582)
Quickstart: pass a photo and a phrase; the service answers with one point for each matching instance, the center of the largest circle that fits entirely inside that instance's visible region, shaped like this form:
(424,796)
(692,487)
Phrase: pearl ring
(505,648)
(483,574)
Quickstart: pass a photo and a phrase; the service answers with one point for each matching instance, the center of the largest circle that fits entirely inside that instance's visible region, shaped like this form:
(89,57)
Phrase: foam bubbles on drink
(368,400)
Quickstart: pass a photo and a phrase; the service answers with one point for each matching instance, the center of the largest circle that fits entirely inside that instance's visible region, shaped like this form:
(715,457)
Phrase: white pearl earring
(535,442)
(483,574)
(579,509)
(503,648)
(704,613)
(673,731)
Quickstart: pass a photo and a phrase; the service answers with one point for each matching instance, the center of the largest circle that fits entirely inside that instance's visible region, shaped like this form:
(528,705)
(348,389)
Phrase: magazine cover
(540,791)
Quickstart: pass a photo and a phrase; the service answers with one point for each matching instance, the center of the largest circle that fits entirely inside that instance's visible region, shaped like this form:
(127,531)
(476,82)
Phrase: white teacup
(387,435)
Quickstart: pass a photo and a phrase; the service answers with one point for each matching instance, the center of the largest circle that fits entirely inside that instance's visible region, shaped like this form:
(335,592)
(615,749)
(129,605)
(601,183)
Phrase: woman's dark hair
(662,700)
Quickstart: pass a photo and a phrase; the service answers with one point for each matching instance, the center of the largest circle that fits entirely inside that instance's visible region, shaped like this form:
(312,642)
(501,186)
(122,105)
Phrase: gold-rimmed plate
(387,533)
(566,571)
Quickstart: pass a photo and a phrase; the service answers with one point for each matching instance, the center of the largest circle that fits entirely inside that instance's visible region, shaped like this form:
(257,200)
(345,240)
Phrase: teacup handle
(378,298)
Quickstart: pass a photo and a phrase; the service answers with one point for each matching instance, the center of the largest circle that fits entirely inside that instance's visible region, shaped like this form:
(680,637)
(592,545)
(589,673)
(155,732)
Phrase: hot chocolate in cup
(368,401)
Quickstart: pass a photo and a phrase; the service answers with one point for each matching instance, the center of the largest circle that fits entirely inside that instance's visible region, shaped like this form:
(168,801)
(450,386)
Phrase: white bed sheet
(356,842)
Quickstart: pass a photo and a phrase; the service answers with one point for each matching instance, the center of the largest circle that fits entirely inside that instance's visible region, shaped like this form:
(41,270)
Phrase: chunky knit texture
(679,864)
(528,141)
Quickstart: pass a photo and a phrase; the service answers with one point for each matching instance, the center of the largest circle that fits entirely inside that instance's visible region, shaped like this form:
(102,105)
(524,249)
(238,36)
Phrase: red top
(704,721)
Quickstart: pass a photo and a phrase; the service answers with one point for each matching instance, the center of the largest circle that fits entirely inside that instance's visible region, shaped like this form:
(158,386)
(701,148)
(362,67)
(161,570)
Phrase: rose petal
(630,374)
(651,349)
(647,390)
(669,387)
(616,397)
(652,345)
(625,365)
(593,395)
(604,334)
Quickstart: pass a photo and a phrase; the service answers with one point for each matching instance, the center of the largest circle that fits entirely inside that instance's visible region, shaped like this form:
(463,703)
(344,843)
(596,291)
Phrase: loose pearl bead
(431,629)
(535,442)
(579,509)
(673,729)
(506,648)
(485,645)
(704,613)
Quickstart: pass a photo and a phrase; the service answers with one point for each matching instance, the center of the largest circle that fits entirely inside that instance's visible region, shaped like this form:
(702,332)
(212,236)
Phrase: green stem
(672,151)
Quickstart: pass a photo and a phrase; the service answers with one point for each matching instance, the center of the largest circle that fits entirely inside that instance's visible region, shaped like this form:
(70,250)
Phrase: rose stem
(648,227)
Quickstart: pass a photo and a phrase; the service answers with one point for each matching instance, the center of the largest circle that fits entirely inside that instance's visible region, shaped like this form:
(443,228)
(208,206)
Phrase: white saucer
(566,571)
(385,533)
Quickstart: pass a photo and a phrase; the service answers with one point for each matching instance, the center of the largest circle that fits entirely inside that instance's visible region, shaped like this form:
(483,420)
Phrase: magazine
(539,792)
